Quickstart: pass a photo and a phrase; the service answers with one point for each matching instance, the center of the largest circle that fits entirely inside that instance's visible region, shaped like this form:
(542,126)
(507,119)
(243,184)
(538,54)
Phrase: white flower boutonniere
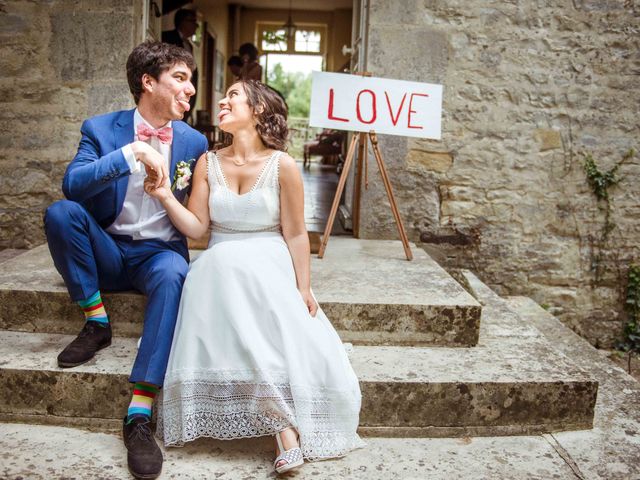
(182,177)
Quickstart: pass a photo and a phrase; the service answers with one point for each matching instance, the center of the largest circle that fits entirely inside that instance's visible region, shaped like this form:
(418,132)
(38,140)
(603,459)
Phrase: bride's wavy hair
(271,113)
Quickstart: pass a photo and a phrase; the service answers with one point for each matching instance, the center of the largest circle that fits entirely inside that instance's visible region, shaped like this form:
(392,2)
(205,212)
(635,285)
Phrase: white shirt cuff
(129,156)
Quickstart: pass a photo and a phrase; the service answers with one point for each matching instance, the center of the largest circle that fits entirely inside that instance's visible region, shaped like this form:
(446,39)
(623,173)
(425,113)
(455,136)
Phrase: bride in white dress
(252,353)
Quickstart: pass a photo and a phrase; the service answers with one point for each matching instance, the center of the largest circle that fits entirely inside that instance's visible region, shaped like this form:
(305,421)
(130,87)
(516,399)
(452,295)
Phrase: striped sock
(94,309)
(142,400)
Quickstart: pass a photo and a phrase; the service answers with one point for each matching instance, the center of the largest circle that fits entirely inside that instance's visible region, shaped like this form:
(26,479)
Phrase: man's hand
(154,163)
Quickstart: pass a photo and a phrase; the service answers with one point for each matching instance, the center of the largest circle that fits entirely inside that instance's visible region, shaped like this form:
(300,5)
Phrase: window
(274,40)
(309,39)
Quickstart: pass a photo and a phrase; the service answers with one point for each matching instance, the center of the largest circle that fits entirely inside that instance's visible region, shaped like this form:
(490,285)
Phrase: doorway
(293,38)
(290,75)
(289,55)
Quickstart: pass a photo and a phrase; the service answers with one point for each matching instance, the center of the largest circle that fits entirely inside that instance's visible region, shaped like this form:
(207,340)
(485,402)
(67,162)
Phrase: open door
(359,35)
(349,212)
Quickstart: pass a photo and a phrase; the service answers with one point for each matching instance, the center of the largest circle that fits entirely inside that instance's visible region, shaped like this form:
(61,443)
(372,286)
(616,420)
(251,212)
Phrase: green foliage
(274,37)
(295,87)
(600,183)
(631,341)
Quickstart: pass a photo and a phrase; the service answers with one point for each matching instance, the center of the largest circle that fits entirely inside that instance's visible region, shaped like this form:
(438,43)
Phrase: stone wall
(61,62)
(528,88)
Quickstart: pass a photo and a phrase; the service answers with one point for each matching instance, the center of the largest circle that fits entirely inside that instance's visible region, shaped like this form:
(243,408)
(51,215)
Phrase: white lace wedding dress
(247,358)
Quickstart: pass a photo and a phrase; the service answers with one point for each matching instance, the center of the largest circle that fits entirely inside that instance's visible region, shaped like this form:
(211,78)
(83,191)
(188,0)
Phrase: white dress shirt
(142,216)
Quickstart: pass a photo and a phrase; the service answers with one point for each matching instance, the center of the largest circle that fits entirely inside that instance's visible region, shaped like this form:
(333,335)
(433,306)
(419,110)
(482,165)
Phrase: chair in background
(329,144)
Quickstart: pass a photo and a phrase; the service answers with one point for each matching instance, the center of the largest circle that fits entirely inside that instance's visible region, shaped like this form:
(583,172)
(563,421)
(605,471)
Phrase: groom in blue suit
(110,235)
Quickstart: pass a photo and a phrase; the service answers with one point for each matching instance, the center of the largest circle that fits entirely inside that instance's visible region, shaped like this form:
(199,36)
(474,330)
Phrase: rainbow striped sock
(94,309)
(142,400)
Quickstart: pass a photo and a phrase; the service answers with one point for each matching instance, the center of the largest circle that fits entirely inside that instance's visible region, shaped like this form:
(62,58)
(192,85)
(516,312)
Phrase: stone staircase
(434,359)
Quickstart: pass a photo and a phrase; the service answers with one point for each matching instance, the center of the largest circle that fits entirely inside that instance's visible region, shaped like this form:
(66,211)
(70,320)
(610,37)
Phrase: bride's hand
(310,302)
(161,193)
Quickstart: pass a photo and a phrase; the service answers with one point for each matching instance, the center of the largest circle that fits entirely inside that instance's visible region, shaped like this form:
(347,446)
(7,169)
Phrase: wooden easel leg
(366,168)
(392,200)
(336,198)
(355,218)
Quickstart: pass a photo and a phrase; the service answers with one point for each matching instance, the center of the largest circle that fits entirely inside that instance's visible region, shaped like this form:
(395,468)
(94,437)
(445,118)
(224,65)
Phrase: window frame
(291,50)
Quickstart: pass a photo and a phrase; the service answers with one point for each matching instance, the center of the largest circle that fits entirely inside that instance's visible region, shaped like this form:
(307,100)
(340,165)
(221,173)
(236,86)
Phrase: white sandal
(293,457)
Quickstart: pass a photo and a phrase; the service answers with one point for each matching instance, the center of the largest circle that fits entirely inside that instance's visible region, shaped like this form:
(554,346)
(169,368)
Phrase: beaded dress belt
(220,228)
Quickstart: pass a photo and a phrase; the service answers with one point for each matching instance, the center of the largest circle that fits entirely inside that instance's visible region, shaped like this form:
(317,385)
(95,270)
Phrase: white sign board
(353,102)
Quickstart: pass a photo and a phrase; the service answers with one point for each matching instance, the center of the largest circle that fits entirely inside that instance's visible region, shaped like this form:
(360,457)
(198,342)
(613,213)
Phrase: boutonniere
(182,177)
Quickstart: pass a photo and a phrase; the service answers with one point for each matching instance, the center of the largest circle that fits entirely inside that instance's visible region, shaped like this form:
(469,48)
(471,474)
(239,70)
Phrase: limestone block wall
(528,88)
(61,61)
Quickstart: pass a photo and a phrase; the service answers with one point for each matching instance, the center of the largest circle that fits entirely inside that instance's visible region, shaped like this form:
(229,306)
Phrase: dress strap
(269,178)
(209,158)
(214,173)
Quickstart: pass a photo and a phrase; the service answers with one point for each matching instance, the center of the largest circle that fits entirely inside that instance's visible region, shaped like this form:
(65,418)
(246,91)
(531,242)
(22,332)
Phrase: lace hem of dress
(326,419)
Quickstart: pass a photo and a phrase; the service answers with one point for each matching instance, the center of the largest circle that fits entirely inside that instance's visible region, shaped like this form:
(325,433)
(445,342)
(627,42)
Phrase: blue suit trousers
(90,259)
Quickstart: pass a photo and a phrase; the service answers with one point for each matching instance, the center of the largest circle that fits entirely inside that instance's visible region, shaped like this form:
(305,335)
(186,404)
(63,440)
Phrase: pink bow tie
(165,134)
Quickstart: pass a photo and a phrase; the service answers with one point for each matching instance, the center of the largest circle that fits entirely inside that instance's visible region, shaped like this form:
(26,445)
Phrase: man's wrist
(130,157)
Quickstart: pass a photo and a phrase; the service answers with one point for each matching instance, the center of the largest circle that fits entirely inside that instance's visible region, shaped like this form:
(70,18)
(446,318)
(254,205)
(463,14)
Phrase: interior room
(293,38)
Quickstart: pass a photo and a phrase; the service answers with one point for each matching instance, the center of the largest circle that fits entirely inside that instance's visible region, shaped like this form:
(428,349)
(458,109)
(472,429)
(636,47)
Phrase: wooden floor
(320,184)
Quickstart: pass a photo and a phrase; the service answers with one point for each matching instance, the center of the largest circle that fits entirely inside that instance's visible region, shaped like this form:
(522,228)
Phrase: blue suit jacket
(98,175)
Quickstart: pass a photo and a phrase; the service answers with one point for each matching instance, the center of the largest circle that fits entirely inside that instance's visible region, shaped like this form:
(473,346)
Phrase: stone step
(49,452)
(513,382)
(370,292)
(9,253)
(608,451)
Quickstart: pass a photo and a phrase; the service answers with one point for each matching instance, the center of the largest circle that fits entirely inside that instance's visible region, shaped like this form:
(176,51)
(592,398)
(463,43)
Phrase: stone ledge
(46,452)
(9,253)
(366,287)
(522,388)
(611,449)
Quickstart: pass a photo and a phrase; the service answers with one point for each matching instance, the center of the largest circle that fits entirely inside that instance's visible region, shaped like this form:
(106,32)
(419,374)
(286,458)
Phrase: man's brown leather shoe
(92,338)
(144,457)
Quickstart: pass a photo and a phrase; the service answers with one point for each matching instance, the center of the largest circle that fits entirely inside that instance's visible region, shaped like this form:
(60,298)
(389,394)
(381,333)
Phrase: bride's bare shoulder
(286,161)
(289,173)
